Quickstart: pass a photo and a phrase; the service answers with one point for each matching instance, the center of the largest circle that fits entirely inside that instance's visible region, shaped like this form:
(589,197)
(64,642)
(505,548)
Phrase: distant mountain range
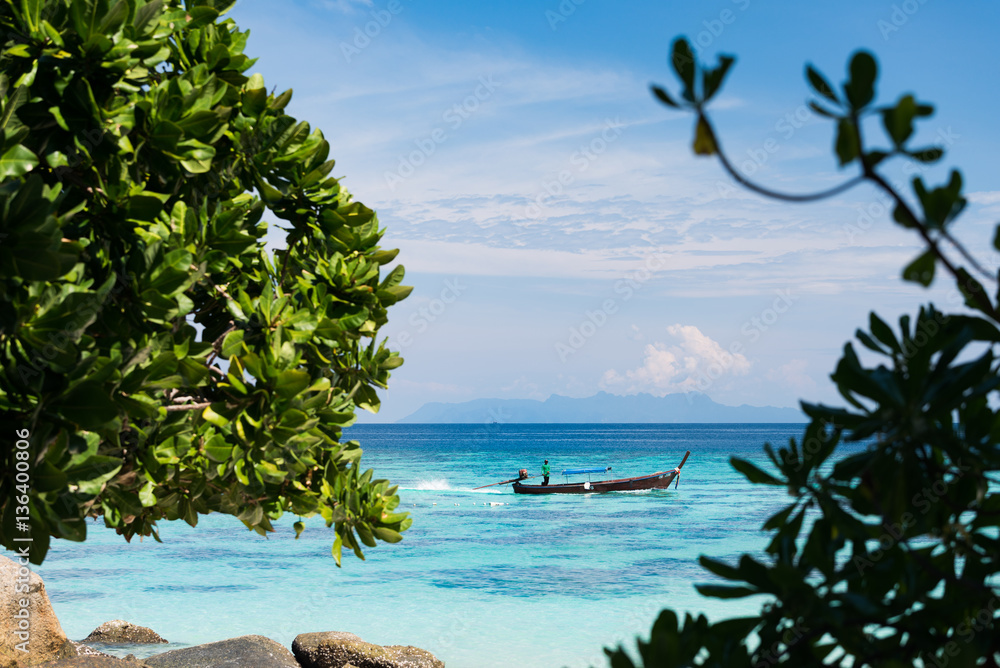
(600,408)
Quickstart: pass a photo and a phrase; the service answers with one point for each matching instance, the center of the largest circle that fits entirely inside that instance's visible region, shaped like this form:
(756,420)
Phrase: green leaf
(712,79)
(932,154)
(165,136)
(921,270)
(201,16)
(970,288)
(31,10)
(387,535)
(704,144)
(146,495)
(384,256)
(281,101)
(291,382)
(211,416)
(218,450)
(720,568)
(85,15)
(11,105)
(195,156)
(48,478)
(726,591)
(146,13)
(338,544)
(115,17)
(901,215)
(89,406)
(774,522)
(821,111)
(860,89)
(683,63)
(873,158)
(881,331)
(847,142)
(820,85)
(17,161)
(392,362)
(36,264)
(664,97)
(232,344)
(90,475)
(752,473)
(898,120)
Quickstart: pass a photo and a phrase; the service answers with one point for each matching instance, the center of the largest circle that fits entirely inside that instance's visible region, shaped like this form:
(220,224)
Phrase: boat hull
(660,480)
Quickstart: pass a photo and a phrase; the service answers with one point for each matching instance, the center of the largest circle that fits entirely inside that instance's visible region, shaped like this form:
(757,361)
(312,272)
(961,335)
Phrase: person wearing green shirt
(545,473)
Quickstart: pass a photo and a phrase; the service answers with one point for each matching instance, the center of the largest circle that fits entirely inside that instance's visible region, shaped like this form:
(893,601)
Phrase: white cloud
(793,375)
(690,361)
(345,6)
(984,197)
(522,387)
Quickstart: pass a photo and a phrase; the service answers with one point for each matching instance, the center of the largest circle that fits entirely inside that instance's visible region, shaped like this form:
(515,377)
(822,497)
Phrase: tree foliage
(162,361)
(889,556)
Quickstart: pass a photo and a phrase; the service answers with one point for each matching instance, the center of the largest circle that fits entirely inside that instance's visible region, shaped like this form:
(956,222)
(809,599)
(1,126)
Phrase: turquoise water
(538,581)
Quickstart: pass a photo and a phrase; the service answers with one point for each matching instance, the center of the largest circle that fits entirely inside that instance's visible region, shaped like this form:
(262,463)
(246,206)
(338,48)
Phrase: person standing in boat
(545,473)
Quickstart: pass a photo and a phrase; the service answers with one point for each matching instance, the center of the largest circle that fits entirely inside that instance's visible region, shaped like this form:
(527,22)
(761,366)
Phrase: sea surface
(541,581)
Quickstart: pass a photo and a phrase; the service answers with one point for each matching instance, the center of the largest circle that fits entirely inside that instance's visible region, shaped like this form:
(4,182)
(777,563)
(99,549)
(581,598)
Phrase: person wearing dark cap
(545,473)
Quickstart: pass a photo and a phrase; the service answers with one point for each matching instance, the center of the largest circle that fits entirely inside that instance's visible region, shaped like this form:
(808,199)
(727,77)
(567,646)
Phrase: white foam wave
(436,484)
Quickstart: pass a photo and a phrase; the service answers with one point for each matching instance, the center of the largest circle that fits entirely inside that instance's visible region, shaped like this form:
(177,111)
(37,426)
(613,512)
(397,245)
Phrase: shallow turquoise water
(538,581)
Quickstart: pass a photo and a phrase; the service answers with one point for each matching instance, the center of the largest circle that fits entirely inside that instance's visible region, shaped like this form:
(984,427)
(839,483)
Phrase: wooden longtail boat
(660,480)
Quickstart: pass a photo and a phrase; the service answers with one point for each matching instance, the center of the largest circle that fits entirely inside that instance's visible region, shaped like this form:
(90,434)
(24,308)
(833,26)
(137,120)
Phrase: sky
(561,236)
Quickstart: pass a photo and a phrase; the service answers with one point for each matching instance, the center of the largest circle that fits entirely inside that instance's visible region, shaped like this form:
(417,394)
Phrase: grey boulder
(93,661)
(333,649)
(242,652)
(32,626)
(118,631)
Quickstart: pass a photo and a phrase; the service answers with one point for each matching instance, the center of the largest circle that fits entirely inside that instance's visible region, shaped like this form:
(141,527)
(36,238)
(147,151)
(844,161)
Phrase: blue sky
(560,234)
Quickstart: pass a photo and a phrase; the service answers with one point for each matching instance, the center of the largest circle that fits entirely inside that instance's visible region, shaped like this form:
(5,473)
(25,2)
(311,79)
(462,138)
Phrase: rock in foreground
(95,662)
(36,625)
(118,631)
(338,650)
(242,652)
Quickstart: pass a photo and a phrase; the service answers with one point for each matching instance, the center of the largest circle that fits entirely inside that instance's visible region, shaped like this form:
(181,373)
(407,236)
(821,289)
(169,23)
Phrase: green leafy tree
(888,556)
(156,360)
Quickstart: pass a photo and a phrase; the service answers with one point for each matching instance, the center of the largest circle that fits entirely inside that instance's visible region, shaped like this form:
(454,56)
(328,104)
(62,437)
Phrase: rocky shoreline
(49,647)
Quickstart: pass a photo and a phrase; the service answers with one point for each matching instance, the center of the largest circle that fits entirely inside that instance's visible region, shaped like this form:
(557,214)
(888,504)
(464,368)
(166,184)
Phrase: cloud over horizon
(690,362)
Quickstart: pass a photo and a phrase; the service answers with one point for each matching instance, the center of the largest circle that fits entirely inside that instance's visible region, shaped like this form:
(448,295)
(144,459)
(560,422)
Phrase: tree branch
(188,407)
(967,255)
(985,305)
(774,194)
